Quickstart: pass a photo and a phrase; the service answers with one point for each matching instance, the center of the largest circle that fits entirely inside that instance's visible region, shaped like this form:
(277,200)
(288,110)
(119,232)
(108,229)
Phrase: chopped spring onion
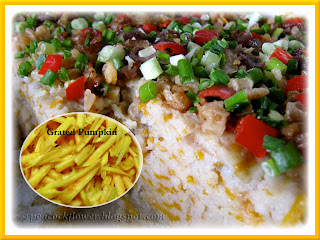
(20,26)
(172,70)
(192,45)
(31,20)
(109,52)
(108,19)
(33,46)
(66,54)
(147,91)
(174,23)
(205,83)
(292,66)
(232,44)
(235,100)
(241,73)
(276,95)
(254,18)
(24,68)
(163,55)
(58,31)
(295,45)
(49,78)
(99,25)
(219,77)
(210,58)
(99,16)
(289,37)
(278,19)
(275,115)
(193,109)
(49,23)
(277,32)
(275,63)
(241,25)
(19,55)
(105,87)
(215,46)
(193,97)
(47,48)
(56,45)
(87,41)
(286,158)
(151,69)
(117,63)
(185,71)
(268,48)
(146,52)
(196,25)
(40,60)
(269,167)
(175,59)
(272,143)
(187,28)
(152,36)
(108,35)
(265,28)
(63,74)
(66,43)
(200,72)
(81,61)
(194,62)
(256,75)
(194,51)
(282,43)
(79,23)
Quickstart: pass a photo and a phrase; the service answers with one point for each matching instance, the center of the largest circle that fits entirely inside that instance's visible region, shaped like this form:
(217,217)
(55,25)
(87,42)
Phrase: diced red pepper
(52,62)
(250,133)
(94,34)
(217,91)
(75,89)
(205,35)
(148,28)
(297,83)
(303,98)
(174,48)
(281,55)
(295,20)
(257,36)
(183,20)
(165,24)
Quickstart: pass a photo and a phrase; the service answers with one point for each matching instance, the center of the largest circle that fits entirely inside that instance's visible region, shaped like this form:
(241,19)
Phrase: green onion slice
(185,71)
(49,78)
(63,74)
(147,91)
(40,60)
(219,77)
(193,97)
(24,68)
(272,143)
(237,99)
(81,61)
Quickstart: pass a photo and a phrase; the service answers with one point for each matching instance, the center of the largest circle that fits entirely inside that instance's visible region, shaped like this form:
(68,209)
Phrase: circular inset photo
(81,160)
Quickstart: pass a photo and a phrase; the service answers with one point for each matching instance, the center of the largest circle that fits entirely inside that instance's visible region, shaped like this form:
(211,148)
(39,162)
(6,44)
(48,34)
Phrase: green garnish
(63,74)
(147,91)
(24,68)
(81,61)
(49,78)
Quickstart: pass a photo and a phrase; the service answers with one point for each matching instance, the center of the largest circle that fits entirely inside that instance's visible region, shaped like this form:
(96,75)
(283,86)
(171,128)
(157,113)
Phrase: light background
(308,11)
